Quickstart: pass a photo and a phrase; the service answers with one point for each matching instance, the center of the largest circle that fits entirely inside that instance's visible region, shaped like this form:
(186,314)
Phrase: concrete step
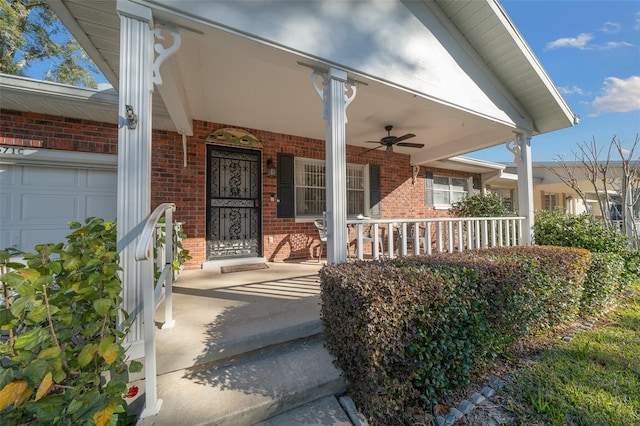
(249,389)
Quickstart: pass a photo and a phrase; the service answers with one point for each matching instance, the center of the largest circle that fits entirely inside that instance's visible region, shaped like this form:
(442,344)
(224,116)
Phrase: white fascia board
(18,155)
(478,163)
(533,61)
(25,85)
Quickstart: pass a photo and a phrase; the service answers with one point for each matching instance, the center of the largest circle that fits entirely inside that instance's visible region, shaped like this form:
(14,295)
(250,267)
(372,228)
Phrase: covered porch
(317,80)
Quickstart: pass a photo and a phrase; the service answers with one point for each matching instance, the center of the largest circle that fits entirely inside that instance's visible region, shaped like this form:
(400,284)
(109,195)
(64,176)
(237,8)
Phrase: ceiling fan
(389,141)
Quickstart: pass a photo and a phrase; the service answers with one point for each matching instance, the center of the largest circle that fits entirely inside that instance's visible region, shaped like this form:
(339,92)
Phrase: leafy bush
(367,308)
(601,284)
(414,327)
(448,334)
(556,228)
(528,288)
(479,205)
(60,336)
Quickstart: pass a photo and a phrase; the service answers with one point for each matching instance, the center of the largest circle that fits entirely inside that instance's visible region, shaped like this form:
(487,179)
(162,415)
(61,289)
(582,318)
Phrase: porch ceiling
(224,77)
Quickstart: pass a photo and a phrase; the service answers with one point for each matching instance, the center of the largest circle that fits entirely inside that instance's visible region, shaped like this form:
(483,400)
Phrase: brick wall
(186,187)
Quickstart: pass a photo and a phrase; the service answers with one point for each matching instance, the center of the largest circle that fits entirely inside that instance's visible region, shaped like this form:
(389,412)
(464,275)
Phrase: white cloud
(614,44)
(611,27)
(637,25)
(573,90)
(619,95)
(579,42)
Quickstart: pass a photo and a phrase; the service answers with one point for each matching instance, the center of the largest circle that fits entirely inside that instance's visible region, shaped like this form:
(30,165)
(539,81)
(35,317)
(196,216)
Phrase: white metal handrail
(443,234)
(151,295)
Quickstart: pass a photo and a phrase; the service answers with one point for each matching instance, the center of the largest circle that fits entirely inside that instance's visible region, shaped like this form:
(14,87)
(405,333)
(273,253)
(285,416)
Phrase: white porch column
(525,185)
(134,158)
(335,99)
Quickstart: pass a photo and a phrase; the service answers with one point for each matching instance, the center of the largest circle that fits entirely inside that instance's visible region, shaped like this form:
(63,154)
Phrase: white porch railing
(425,236)
(152,295)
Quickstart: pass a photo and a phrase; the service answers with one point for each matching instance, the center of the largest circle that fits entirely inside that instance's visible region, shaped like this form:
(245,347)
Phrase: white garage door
(37,201)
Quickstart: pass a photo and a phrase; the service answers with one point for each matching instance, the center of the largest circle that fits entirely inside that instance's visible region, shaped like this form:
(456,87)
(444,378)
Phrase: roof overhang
(233,67)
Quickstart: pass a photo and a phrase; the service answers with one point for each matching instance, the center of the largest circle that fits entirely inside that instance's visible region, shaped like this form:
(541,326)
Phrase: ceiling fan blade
(372,149)
(372,142)
(404,137)
(411,145)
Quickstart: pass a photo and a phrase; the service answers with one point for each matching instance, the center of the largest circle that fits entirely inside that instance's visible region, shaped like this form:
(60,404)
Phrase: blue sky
(591,51)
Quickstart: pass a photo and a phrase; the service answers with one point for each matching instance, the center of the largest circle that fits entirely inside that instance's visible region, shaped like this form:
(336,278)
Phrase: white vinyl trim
(18,155)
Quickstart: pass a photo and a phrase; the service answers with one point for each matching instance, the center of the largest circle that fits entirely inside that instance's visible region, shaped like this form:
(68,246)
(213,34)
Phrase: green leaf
(38,314)
(104,344)
(48,408)
(135,367)
(13,279)
(21,304)
(72,263)
(52,352)
(31,339)
(35,371)
(29,274)
(6,317)
(111,353)
(87,354)
(74,406)
(55,267)
(102,306)
(7,374)
(116,386)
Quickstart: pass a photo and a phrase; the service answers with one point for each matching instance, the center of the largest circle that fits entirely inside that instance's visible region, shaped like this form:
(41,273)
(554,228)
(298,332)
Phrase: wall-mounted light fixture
(131,117)
(271,168)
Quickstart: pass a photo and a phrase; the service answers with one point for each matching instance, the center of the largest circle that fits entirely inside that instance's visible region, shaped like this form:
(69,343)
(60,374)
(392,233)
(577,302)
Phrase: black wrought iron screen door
(234,214)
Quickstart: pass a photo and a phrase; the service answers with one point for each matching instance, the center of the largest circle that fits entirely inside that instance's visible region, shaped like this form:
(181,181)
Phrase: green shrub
(60,336)
(602,283)
(414,327)
(479,205)
(556,228)
(367,308)
(448,334)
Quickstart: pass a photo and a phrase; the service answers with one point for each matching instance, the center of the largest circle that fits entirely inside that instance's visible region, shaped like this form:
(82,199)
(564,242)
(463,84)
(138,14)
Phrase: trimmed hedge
(616,265)
(414,327)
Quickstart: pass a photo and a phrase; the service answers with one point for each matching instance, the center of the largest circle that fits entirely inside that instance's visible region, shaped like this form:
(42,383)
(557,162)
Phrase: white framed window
(448,190)
(310,188)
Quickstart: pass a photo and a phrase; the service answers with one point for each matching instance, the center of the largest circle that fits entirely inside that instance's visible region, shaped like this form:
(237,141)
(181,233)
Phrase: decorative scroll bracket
(416,170)
(514,147)
(164,53)
(322,89)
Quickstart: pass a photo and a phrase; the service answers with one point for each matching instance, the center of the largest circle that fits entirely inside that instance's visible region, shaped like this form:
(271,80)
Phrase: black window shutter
(286,186)
(476,183)
(375,191)
(428,188)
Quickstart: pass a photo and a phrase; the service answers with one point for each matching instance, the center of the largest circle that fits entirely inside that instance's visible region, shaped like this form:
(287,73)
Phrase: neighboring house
(217,98)
(550,192)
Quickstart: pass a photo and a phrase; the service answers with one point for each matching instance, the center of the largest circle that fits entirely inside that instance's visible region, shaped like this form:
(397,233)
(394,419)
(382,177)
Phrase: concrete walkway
(247,347)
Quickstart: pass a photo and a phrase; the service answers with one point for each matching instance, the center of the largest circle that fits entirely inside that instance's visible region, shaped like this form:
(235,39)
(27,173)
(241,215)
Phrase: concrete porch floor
(246,347)
(220,315)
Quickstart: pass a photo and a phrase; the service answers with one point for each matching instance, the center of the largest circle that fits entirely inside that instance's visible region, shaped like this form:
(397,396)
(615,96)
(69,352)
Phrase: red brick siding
(187,186)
